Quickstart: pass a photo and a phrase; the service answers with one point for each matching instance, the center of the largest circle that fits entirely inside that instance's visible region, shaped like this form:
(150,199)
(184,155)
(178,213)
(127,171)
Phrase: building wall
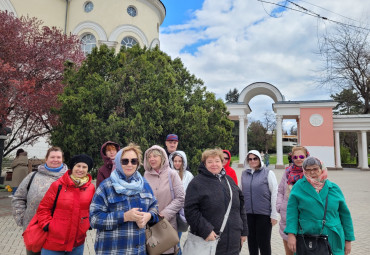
(318,139)
(109,21)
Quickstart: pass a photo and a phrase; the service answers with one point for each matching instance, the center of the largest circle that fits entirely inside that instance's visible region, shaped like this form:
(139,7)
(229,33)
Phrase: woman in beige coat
(20,169)
(157,173)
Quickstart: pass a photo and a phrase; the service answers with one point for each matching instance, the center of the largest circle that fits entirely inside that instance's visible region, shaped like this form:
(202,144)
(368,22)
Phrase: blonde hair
(155,152)
(299,148)
(216,152)
(135,148)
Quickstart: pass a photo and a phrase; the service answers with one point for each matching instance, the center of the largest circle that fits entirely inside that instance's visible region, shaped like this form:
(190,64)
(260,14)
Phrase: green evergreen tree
(138,95)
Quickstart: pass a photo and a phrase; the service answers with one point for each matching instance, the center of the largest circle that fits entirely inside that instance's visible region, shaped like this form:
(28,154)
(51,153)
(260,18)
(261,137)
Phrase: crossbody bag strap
(30,182)
(56,199)
(171,186)
(228,208)
(324,219)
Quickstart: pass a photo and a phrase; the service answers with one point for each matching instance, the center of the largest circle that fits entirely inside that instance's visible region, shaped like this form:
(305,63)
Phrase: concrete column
(365,164)
(246,135)
(241,139)
(359,150)
(298,131)
(338,164)
(279,142)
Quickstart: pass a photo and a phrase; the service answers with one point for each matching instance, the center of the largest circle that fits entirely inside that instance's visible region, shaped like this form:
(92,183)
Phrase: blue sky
(233,43)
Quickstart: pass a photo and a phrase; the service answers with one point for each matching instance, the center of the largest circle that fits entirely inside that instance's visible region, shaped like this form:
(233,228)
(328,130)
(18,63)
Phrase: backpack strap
(30,182)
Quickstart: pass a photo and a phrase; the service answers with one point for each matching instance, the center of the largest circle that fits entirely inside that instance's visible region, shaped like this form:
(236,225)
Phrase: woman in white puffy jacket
(179,162)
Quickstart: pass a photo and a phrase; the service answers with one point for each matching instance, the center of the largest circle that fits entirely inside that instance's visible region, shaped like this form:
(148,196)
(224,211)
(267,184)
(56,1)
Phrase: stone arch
(93,26)
(260,88)
(129,28)
(154,43)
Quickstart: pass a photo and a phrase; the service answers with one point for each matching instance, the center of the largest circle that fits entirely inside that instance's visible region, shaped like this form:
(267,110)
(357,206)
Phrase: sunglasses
(254,159)
(125,161)
(300,156)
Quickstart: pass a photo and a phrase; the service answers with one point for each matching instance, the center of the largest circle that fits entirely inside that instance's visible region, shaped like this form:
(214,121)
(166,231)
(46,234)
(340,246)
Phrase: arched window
(88,42)
(128,42)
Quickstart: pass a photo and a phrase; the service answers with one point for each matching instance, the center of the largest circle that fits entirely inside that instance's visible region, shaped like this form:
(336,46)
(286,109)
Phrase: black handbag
(307,244)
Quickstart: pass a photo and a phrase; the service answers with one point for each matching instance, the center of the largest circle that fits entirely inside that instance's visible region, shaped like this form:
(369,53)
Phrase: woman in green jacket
(306,205)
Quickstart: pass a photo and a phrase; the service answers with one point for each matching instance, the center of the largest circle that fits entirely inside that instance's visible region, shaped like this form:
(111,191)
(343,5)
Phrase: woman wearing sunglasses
(293,173)
(259,187)
(306,209)
(122,206)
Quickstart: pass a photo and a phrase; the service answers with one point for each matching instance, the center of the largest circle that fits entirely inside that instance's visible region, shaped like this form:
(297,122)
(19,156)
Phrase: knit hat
(172,137)
(84,159)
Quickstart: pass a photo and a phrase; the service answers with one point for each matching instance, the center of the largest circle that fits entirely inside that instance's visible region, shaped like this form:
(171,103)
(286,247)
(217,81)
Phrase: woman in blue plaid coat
(122,206)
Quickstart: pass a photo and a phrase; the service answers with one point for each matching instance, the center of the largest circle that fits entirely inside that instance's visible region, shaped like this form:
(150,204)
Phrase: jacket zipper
(250,186)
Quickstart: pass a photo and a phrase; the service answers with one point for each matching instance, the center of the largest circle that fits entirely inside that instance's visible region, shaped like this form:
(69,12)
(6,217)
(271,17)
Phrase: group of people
(124,202)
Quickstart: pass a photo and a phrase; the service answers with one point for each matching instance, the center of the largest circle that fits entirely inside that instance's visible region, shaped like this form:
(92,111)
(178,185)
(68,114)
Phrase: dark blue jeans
(79,250)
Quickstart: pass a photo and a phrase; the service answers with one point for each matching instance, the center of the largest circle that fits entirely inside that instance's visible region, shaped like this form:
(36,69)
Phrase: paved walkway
(354,183)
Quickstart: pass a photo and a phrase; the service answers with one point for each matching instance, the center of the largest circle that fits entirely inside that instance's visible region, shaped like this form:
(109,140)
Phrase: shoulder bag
(160,237)
(182,224)
(34,236)
(197,245)
(314,244)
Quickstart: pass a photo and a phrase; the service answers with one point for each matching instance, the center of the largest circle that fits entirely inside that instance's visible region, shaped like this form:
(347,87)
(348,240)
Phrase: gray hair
(311,161)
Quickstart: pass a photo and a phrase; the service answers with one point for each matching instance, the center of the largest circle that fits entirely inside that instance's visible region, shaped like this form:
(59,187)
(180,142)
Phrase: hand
(292,242)
(273,222)
(144,220)
(134,214)
(212,236)
(242,240)
(347,247)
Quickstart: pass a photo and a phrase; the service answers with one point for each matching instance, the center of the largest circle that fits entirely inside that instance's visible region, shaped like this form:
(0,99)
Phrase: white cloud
(245,45)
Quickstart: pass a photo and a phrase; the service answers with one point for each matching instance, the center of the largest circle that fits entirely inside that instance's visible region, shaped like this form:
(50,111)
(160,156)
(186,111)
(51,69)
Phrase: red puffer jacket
(67,228)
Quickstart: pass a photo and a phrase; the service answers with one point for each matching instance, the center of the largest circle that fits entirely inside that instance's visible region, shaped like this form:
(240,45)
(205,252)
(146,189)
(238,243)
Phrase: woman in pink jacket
(292,174)
(157,173)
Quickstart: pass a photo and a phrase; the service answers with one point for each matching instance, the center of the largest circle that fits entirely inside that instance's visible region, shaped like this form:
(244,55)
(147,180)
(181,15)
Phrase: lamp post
(4,131)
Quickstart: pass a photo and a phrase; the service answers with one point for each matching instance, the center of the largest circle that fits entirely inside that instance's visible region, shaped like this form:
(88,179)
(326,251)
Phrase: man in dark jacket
(108,151)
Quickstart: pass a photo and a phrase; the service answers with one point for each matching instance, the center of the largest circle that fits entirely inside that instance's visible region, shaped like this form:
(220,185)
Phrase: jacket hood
(255,152)
(147,166)
(107,161)
(182,155)
(228,162)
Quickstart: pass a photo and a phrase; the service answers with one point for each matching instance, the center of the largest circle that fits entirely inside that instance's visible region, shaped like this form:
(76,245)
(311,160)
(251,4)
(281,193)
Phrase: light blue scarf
(131,186)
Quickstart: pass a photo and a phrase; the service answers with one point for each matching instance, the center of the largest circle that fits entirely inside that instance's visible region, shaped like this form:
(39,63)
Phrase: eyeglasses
(254,159)
(125,161)
(226,158)
(315,170)
(300,156)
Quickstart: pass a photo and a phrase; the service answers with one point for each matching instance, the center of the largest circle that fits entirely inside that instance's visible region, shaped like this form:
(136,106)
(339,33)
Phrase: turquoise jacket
(307,206)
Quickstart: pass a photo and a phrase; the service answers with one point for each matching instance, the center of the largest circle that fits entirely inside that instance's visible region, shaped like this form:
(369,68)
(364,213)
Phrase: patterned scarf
(293,174)
(79,181)
(318,183)
(132,186)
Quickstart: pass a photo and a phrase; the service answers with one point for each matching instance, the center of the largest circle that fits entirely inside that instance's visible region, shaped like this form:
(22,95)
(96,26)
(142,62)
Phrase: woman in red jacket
(68,226)
(226,164)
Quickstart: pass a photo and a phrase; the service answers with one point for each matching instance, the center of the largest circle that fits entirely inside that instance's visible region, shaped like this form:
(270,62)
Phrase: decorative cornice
(6,5)
(128,28)
(91,25)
